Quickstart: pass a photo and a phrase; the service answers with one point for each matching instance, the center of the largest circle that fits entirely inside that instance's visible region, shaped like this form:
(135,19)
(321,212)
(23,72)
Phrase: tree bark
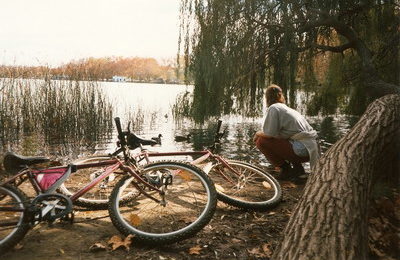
(330,219)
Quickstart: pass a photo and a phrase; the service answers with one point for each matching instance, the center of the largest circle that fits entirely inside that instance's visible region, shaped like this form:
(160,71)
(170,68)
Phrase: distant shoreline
(164,82)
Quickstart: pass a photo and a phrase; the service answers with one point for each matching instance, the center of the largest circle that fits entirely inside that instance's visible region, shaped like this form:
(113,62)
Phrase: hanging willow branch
(233,49)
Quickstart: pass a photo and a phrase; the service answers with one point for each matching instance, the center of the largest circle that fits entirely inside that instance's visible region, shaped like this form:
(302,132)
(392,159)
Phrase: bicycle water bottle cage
(13,163)
(135,141)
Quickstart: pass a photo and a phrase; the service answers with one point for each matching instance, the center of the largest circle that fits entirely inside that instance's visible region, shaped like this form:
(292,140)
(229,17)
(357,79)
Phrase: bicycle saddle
(13,162)
(134,141)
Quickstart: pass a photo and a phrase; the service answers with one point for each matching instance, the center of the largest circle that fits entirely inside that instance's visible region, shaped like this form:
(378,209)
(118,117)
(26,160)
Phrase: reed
(137,120)
(183,106)
(61,111)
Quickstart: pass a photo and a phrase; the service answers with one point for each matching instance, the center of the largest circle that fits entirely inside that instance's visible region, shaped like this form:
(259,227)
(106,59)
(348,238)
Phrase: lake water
(149,108)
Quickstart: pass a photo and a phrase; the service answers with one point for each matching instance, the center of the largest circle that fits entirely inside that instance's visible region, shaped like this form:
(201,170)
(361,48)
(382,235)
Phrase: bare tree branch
(338,49)
(369,70)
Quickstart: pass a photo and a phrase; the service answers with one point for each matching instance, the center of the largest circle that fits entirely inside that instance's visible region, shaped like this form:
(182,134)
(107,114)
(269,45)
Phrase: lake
(149,108)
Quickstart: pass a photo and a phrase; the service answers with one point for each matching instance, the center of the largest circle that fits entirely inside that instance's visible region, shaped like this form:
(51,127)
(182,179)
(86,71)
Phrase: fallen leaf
(256,252)
(219,188)
(236,241)
(62,251)
(184,174)
(135,220)
(97,247)
(18,246)
(267,249)
(267,185)
(194,250)
(272,213)
(117,242)
(289,185)
(208,229)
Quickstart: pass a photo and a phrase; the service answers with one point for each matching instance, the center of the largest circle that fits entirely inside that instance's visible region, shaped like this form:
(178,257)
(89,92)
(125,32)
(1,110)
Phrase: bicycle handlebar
(217,135)
(121,136)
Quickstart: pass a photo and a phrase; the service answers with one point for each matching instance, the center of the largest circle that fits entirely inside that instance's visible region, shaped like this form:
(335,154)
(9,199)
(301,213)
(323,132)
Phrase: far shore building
(119,79)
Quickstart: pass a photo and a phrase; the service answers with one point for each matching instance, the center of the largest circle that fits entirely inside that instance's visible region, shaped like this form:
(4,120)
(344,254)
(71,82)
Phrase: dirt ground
(231,234)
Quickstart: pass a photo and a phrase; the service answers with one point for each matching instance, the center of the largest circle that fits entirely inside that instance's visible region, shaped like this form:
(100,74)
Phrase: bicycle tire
(9,236)
(253,189)
(98,196)
(190,204)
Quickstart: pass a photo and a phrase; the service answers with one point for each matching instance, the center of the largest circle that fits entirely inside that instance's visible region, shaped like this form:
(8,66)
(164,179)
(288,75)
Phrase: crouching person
(287,139)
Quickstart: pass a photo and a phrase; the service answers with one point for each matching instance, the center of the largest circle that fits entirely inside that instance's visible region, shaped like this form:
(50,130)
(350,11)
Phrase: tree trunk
(330,219)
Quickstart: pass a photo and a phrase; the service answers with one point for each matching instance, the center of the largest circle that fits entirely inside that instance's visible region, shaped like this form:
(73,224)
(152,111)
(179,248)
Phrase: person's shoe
(300,176)
(300,180)
(298,169)
(286,172)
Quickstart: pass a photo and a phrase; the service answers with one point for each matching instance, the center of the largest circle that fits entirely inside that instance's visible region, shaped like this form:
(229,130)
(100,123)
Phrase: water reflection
(151,109)
(57,117)
(331,129)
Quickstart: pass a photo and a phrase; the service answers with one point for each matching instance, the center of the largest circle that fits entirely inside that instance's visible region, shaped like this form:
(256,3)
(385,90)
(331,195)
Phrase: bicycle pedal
(69,218)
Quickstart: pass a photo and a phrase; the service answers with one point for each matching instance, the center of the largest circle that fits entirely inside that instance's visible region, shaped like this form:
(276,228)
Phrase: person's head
(273,95)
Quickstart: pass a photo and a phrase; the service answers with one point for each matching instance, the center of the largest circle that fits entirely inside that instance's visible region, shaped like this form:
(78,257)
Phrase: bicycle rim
(190,203)
(247,187)
(13,224)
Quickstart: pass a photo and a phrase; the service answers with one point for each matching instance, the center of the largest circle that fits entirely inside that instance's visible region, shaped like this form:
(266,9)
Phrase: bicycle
(237,183)
(159,203)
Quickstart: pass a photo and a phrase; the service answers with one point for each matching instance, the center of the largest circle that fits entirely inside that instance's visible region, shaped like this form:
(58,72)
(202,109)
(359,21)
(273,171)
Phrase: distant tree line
(102,69)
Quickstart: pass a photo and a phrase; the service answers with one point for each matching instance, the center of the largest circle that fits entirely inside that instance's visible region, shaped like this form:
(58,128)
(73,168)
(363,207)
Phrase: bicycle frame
(204,155)
(112,166)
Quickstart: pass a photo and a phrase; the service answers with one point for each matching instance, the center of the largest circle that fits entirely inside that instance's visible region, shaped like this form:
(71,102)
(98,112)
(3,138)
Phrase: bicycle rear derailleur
(159,178)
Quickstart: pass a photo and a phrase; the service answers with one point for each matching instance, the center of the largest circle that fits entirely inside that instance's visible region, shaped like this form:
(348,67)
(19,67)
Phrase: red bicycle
(237,183)
(158,203)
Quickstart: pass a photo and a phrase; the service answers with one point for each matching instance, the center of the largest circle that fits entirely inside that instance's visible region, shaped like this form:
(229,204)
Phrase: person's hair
(273,95)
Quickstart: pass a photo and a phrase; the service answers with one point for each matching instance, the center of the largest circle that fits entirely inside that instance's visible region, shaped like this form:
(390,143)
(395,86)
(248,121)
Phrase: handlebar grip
(118,125)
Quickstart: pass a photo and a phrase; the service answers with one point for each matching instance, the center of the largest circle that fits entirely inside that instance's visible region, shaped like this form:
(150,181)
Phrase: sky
(53,32)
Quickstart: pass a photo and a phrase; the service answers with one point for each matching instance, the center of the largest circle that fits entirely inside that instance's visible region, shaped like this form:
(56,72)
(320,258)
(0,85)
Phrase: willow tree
(233,48)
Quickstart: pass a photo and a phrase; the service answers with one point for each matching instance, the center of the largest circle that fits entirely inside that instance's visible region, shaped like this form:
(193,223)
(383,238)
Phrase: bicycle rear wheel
(97,197)
(247,187)
(14,222)
(186,207)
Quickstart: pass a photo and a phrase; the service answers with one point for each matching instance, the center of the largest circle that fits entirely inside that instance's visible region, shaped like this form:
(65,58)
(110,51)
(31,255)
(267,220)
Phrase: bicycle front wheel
(14,222)
(154,218)
(245,185)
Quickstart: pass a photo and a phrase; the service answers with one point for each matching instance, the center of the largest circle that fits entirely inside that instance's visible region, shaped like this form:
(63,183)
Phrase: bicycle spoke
(165,216)
(245,186)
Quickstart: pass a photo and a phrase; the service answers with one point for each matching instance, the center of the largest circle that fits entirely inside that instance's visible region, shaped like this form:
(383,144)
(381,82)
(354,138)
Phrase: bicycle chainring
(50,207)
